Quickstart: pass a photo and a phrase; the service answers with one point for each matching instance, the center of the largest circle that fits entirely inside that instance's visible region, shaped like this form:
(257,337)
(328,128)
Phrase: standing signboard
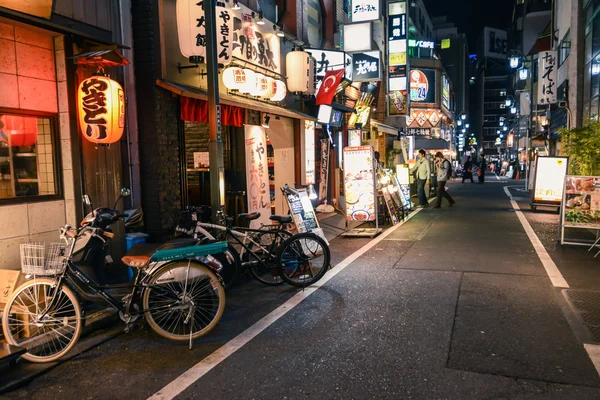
(257,176)
(549,176)
(403,181)
(303,212)
(580,206)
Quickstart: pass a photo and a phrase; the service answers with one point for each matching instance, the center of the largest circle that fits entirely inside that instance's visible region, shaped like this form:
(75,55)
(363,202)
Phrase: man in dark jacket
(468,170)
(482,168)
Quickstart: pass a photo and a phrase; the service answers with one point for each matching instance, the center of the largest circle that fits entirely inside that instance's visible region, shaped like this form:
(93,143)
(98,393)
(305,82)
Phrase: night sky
(471,16)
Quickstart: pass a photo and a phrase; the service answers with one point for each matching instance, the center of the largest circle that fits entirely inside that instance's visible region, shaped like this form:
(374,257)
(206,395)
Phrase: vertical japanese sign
(397,74)
(324,169)
(547,73)
(359,183)
(309,153)
(257,174)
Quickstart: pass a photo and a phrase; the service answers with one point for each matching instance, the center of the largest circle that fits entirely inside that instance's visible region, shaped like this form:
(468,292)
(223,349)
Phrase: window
(564,48)
(27,156)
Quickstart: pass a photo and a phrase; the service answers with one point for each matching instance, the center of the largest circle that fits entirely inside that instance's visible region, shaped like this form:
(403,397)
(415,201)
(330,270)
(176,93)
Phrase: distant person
(481,173)
(423,175)
(468,170)
(444,170)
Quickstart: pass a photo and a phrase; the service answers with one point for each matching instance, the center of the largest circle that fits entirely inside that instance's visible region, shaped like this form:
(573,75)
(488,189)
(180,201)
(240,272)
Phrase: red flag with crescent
(329,86)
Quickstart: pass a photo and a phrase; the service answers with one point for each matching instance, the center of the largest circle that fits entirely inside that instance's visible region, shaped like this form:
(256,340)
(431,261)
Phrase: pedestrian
(481,173)
(444,170)
(423,171)
(468,170)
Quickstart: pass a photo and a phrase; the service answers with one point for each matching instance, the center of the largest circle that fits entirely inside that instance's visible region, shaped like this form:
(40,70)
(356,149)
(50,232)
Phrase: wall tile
(7,31)
(10,250)
(71,213)
(46,216)
(35,62)
(50,236)
(63,97)
(61,69)
(14,221)
(37,94)
(67,159)
(8,60)
(68,184)
(65,127)
(34,37)
(59,42)
(10,91)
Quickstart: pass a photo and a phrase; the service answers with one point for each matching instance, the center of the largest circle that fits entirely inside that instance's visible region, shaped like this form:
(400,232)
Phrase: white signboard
(550,175)
(495,43)
(547,75)
(308,144)
(257,174)
(365,10)
(357,37)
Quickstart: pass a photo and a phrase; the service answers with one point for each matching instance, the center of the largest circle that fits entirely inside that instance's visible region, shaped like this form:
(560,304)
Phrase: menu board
(550,174)
(392,206)
(359,183)
(403,182)
(581,206)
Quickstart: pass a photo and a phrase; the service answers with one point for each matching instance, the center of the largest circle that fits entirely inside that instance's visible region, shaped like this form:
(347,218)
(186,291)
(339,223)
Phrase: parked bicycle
(270,253)
(179,294)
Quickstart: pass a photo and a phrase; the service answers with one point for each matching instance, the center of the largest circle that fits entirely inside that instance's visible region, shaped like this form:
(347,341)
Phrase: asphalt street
(454,304)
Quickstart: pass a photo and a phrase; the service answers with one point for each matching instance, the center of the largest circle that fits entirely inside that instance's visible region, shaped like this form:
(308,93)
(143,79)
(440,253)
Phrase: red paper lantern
(101,110)
(21,131)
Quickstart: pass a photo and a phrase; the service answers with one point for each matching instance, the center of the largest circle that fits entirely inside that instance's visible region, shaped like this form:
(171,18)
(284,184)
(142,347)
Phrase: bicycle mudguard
(189,252)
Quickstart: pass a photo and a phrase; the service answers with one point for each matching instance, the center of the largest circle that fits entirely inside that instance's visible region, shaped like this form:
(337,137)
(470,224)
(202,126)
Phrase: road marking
(551,269)
(196,372)
(593,351)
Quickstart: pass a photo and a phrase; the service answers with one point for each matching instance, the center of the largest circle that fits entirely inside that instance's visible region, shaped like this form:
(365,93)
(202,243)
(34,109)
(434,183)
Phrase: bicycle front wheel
(303,259)
(44,319)
(183,298)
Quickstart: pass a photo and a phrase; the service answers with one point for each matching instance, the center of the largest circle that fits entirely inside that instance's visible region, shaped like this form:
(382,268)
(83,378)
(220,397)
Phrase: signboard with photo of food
(359,183)
(581,206)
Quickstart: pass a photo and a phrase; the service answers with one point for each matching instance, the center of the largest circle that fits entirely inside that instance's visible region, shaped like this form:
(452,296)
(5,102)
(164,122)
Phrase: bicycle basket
(43,258)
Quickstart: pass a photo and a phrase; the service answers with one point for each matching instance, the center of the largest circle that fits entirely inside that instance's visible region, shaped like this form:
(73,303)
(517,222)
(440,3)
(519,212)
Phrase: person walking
(482,167)
(468,170)
(444,170)
(423,176)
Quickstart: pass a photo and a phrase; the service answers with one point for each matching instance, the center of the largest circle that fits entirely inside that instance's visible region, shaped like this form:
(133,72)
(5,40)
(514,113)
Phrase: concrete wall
(33,77)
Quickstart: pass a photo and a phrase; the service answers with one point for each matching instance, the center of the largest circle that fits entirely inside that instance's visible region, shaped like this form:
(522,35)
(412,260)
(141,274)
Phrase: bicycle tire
(297,259)
(209,296)
(267,275)
(230,260)
(55,321)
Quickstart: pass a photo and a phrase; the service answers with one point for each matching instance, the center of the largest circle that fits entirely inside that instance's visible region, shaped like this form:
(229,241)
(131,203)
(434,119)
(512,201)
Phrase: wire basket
(43,258)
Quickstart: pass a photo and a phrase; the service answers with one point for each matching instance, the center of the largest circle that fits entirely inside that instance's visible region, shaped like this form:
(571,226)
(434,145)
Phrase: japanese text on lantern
(93,104)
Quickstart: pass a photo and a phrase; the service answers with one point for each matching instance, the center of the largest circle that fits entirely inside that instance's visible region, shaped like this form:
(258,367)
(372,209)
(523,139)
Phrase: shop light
(311,192)
(280,91)
(523,73)
(266,121)
(514,62)
(595,69)
(278,31)
(236,5)
(107,125)
(250,82)
(261,20)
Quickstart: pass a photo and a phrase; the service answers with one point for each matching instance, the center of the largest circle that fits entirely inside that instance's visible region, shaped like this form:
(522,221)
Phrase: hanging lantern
(20,130)
(280,91)
(271,90)
(301,72)
(234,78)
(250,83)
(266,86)
(262,85)
(101,110)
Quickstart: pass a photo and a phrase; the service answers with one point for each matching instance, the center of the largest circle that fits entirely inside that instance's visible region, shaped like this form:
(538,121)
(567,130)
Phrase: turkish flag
(329,86)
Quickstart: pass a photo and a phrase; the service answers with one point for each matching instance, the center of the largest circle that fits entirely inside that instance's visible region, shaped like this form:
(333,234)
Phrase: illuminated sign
(445,44)
(357,37)
(424,44)
(445,92)
(550,175)
(397,62)
(366,66)
(365,10)
(422,85)
(359,183)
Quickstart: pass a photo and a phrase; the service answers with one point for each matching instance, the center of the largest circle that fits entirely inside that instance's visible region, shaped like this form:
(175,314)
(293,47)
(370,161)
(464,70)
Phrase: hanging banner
(324,169)
(308,144)
(548,75)
(549,175)
(581,205)
(257,174)
(359,183)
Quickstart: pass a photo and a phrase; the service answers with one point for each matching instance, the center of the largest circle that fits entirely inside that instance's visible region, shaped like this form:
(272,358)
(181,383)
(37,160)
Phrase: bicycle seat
(139,255)
(249,216)
(282,219)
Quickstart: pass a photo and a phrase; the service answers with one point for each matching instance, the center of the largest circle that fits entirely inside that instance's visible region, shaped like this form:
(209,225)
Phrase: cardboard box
(9,280)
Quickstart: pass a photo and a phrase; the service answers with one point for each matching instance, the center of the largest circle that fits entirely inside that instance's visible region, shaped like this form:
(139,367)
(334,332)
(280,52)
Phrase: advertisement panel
(422,85)
(365,10)
(445,92)
(398,102)
(495,43)
(357,37)
(397,43)
(581,206)
(257,176)
(359,183)
(550,174)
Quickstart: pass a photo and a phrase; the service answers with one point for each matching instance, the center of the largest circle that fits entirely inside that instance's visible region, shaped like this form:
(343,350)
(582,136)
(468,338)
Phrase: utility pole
(215,142)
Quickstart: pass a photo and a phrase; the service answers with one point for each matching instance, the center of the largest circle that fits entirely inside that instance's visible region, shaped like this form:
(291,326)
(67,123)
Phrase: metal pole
(215,143)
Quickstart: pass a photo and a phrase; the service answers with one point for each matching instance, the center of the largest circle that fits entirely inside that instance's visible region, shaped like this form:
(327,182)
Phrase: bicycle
(180,297)
(272,255)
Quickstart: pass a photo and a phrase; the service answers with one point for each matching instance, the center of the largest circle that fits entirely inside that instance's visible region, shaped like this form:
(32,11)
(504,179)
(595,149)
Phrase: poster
(398,102)
(257,174)
(403,182)
(324,169)
(422,85)
(581,207)
(549,177)
(359,183)
(354,137)
(201,159)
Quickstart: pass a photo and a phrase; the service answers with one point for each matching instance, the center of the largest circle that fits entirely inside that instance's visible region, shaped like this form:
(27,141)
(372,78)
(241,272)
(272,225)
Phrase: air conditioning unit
(563,104)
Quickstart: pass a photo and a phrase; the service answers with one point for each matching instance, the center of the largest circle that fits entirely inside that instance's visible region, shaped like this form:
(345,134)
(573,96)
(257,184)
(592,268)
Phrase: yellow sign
(445,43)
(398,59)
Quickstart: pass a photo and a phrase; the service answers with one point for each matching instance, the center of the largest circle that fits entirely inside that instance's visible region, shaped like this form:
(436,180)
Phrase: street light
(459,122)
(514,61)
(523,73)
(513,110)
(467,125)
(508,102)
(501,123)
(463,117)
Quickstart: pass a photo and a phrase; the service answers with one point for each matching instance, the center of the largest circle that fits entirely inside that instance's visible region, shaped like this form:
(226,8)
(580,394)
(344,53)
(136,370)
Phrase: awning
(383,128)
(237,101)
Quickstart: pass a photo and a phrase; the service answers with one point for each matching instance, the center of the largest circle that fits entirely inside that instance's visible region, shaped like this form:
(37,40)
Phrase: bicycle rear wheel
(179,301)
(44,319)
(269,243)
(303,259)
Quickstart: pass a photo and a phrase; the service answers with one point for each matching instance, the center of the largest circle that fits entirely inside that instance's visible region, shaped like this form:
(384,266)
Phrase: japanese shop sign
(308,144)
(422,85)
(423,44)
(397,43)
(547,73)
(366,66)
(550,175)
(257,174)
(359,183)
(237,35)
(324,169)
(365,10)
(101,109)
(357,37)
(327,60)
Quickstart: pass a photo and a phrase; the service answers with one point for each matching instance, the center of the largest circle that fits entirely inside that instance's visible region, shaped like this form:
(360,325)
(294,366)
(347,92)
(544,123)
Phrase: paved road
(454,304)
